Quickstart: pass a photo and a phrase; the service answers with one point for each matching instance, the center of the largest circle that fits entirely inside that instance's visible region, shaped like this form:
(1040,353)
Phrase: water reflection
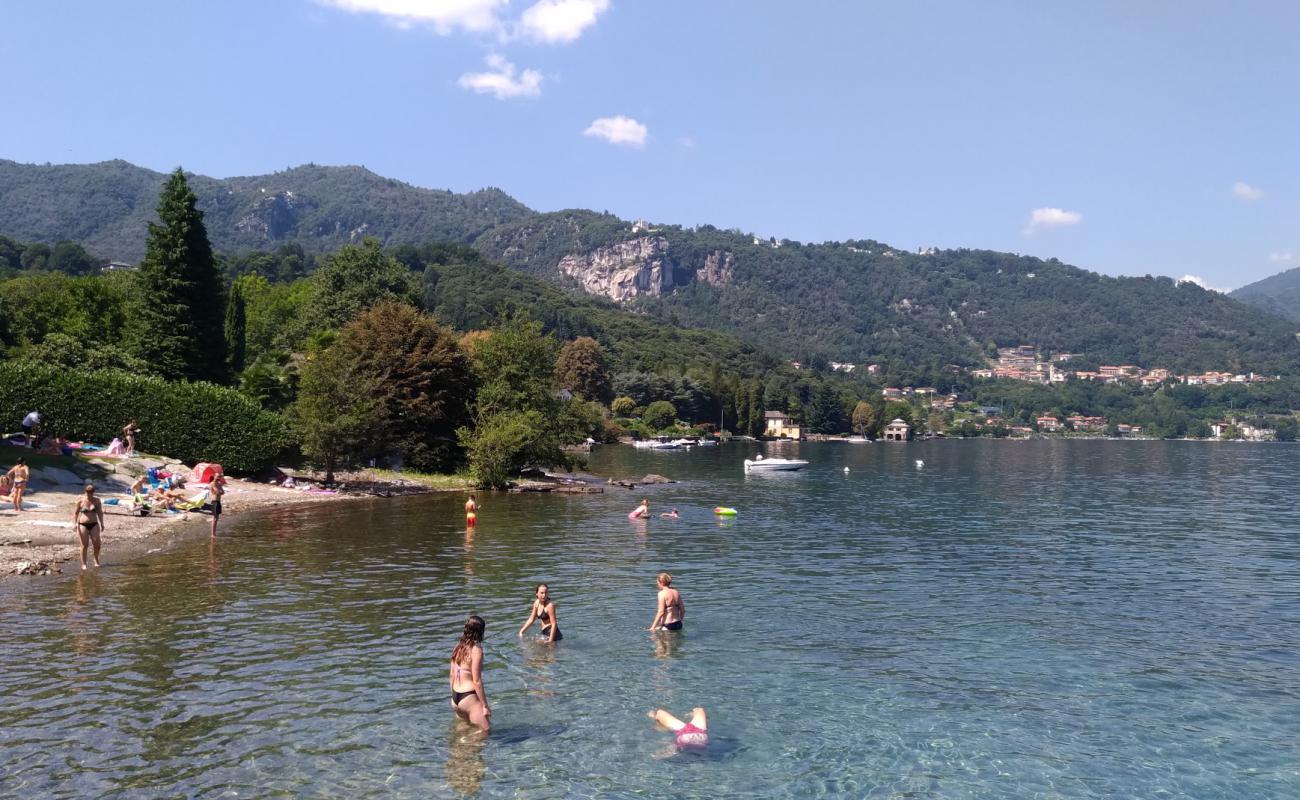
(466,766)
(666,643)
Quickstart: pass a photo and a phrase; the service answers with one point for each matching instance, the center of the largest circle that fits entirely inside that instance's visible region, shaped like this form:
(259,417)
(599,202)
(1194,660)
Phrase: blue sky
(1128,137)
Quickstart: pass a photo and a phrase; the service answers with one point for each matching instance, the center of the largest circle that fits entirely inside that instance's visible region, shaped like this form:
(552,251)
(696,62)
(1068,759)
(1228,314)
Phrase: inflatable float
(723,511)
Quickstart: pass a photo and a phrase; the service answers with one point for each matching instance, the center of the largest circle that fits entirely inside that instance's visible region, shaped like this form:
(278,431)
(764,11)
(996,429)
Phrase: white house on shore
(896,431)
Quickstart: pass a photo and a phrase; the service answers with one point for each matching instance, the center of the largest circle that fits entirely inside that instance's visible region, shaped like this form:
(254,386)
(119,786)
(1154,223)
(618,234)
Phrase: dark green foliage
(106,207)
(92,310)
(335,410)
(235,329)
(659,415)
(520,421)
(36,257)
(72,259)
(271,380)
(189,421)
(1278,294)
(62,350)
(422,382)
(581,369)
(354,279)
(178,302)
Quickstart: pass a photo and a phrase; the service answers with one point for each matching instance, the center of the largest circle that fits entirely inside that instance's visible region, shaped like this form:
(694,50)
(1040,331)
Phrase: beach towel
(194,503)
(115,448)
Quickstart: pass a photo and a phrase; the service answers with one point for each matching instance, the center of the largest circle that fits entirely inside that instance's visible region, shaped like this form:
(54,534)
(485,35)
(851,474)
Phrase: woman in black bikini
(543,611)
(671,610)
(19,474)
(88,522)
(466,674)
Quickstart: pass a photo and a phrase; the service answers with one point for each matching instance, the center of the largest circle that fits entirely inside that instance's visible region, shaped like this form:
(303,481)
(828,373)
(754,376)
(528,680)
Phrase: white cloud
(1244,191)
(1051,218)
(618,130)
(1199,281)
(445,16)
(501,82)
(687,142)
(560,21)
(1282,258)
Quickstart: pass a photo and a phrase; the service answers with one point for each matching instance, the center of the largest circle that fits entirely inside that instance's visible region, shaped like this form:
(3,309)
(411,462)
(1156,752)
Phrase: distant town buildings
(1024,363)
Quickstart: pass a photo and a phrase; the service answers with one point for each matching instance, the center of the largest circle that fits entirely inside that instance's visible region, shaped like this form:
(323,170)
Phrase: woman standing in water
(88,522)
(671,610)
(543,611)
(467,694)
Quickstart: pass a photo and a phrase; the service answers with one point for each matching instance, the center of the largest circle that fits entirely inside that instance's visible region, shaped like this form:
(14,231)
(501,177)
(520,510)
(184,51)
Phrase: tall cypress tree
(176,321)
(236,321)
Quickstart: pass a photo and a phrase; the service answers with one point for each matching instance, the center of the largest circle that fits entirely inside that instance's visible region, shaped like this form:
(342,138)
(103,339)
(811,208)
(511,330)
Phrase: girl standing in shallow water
(671,610)
(543,611)
(467,694)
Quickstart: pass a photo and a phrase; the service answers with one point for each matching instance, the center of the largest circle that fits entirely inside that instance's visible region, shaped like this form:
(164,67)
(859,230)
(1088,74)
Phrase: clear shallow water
(1015,620)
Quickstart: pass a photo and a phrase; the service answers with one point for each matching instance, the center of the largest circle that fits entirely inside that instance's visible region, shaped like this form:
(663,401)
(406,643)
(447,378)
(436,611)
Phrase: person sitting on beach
(6,488)
(468,697)
(88,522)
(543,611)
(693,735)
(671,610)
(669,514)
(642,511)
(18,475)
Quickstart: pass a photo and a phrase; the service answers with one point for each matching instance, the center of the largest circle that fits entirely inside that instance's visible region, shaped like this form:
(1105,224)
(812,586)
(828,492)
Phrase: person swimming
(693,735)
(543,611)
(671,610)
(642,511)
(468,696)
(669,514)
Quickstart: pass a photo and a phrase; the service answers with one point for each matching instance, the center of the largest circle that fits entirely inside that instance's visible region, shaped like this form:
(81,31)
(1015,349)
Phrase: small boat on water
(761,464)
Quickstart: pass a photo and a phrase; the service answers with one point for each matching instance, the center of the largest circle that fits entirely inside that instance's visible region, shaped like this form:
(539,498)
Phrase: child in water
(693,735)
(642,511)
(471,511)
(669,514)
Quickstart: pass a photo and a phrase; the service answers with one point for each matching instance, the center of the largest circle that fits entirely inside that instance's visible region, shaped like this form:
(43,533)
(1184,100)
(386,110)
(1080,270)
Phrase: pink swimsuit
(690,736)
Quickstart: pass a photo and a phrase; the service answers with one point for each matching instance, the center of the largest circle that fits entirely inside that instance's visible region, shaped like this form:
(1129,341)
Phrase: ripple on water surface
(1017,619)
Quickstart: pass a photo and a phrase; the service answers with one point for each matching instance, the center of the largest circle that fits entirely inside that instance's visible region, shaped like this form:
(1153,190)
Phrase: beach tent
(204,472)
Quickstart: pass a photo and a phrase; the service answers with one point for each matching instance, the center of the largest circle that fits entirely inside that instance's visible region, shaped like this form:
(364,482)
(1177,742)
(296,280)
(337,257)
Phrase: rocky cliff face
(641,267)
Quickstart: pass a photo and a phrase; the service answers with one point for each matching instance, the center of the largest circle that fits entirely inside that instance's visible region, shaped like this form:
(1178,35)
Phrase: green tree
(582,369)
(236,329)
(36,256)
(176,323)
(520,421)
(659,415)
(334,412)
(271,380)
(354,279)
(71,258)
(422,383)
(623,406)
(864,418)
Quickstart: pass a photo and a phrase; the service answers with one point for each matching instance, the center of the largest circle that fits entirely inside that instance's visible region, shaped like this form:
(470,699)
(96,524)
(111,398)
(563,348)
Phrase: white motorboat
(774,464)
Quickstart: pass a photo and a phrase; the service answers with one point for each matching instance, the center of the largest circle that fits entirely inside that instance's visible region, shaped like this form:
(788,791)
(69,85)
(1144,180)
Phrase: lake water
(1046,619)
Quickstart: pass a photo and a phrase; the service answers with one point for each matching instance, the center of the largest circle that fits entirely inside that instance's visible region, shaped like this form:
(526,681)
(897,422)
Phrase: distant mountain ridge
(107,207)
(857,301)
(1278,294)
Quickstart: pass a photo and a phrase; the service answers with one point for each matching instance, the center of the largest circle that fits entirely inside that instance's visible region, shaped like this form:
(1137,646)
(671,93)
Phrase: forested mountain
(1279,294)
(106,207)
(859,301)
(855,301)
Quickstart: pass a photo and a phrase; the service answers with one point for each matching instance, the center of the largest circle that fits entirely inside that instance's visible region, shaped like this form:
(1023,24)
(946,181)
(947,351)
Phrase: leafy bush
(659,415)
(189,421)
